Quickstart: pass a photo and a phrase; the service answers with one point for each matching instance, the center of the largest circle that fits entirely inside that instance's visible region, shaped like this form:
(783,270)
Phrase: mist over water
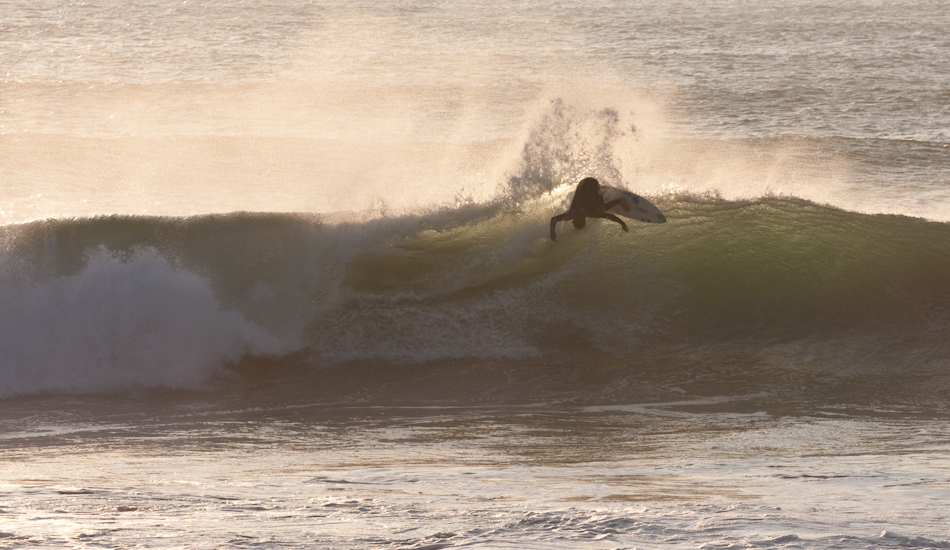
(277,274)
(181,109)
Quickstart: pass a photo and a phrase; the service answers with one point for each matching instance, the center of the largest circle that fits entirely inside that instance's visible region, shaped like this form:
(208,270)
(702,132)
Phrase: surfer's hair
(580,222)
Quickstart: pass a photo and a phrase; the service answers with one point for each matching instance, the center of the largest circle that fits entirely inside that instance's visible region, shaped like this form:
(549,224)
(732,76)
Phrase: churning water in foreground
(199,475)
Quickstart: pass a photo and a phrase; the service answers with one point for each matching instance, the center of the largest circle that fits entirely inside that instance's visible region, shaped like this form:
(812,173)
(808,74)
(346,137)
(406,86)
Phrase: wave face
(770,294)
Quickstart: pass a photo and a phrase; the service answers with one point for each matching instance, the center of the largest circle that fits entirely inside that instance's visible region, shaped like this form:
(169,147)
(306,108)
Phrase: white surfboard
(638,208)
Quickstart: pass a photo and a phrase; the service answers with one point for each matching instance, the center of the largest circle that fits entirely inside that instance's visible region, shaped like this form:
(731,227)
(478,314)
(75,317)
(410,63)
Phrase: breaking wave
(728,296)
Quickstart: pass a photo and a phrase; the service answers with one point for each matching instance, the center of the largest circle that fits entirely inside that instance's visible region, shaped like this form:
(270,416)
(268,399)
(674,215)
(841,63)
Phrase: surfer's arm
(559,218)
(613,218)
(610,204)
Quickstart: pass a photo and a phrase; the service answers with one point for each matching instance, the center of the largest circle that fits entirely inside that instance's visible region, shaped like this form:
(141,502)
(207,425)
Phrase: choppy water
(277,275)
(670,475)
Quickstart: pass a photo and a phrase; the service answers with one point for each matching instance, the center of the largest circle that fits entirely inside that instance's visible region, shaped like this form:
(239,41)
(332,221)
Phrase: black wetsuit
(587,203)
(587,197)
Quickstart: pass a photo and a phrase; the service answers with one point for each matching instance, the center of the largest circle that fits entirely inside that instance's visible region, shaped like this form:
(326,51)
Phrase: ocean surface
(276,274)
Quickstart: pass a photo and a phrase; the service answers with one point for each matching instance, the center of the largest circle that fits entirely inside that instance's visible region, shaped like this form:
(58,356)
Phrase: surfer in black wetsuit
(588,203)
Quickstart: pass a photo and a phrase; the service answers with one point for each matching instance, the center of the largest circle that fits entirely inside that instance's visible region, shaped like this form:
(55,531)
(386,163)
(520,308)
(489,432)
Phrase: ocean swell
(727,292)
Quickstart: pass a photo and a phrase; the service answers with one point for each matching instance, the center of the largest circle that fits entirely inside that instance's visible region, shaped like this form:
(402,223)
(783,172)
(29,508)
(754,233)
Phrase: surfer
(588,203)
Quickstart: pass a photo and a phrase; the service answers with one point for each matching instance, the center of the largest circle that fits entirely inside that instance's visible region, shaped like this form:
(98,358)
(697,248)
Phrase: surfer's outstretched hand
(624,226)
(553,236)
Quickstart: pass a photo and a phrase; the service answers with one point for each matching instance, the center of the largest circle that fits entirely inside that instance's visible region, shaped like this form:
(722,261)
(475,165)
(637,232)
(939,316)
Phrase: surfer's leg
(621,201)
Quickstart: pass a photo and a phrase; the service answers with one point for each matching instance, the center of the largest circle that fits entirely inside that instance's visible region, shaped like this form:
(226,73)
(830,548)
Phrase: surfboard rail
(637,207)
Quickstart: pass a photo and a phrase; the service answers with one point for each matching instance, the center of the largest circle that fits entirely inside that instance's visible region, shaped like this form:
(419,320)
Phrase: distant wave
(763,288)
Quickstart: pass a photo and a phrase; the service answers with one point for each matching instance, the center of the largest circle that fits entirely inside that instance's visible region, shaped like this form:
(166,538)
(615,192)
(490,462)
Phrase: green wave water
(728,297)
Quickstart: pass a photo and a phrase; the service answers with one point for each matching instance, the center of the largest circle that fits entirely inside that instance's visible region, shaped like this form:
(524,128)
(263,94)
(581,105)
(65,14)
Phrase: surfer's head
(580,222)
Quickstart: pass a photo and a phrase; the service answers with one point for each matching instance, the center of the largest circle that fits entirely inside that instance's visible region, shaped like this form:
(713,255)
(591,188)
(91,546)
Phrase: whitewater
(278,275)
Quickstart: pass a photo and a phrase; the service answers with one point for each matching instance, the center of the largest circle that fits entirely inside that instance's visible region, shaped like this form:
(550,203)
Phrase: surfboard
(640,209)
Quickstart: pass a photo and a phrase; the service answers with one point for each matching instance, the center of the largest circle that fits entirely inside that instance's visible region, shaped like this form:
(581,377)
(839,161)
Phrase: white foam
(118,323)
